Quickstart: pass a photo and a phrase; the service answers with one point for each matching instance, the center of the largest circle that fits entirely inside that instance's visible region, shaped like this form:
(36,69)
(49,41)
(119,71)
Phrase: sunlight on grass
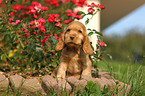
(129,73)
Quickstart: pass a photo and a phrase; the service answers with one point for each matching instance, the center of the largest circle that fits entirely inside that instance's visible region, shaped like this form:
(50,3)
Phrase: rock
(1,73)
(106,75)
(102,82)
(32,86)
(89,78)
(77,84)
(72,81)
(63,85)
(16,82)
(4,83)
(123,89)
(112,85)
(27,86)
(49,84)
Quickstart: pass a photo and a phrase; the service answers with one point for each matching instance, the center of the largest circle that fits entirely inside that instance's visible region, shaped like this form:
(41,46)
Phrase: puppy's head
(75,35)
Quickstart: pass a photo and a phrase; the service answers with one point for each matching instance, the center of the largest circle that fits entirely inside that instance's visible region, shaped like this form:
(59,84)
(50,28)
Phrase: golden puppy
(76,49)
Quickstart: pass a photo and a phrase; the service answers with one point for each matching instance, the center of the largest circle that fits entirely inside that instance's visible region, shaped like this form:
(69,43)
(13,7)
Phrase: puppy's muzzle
(72,37)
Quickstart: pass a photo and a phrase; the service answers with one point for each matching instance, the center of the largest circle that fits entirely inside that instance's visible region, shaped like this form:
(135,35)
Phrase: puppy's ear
(86,46)
(60,44)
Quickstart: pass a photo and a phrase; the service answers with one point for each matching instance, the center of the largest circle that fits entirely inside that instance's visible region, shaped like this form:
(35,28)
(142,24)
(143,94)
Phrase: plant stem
(20,42)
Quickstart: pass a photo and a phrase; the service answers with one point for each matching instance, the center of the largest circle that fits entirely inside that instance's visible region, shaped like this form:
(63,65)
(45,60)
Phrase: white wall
(94,23)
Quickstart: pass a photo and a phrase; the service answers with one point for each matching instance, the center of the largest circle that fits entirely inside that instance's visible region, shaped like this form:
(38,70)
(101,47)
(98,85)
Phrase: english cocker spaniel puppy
(76,49)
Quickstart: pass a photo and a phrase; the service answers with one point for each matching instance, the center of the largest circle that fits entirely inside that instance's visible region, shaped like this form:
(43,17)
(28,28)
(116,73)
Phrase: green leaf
(83,15)
(91,33)
(89,29)
(87,21)
(42,37)
(99,33)
(53,39)
(80,12)
(93,88)
(3,57)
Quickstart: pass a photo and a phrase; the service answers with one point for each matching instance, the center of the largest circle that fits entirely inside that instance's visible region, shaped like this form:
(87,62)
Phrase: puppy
(76,48)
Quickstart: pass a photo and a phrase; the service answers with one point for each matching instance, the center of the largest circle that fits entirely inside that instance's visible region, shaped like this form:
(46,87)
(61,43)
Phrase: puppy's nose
(72,37)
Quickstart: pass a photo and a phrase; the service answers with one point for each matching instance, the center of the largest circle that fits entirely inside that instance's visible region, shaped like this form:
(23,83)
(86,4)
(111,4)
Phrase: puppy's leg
(61,73)
(87,68)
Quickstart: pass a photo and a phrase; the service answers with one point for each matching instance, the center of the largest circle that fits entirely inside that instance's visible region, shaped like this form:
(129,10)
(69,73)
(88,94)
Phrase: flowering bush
(30,30)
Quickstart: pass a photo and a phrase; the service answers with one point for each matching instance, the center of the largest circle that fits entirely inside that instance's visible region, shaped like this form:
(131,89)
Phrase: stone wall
(48,84)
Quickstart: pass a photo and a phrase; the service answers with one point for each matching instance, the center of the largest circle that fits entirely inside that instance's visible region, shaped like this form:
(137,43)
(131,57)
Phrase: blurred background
(123,26)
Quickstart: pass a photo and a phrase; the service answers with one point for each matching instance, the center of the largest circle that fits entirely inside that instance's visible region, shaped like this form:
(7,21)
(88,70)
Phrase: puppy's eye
(68,30)
(80,31)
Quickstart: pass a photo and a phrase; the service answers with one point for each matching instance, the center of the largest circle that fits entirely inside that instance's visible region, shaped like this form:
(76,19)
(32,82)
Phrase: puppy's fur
(76,49)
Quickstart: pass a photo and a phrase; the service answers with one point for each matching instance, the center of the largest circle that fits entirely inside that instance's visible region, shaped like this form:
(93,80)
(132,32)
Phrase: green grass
(132,74)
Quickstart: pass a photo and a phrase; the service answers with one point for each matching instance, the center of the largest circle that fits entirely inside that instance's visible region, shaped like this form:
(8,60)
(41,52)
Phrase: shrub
(30,30)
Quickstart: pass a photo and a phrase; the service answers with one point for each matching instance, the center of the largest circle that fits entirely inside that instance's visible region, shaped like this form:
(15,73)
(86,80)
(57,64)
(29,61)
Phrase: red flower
(16,7)
(59,20)
(58,24)
(67,21)
(53,57)
(78,16)
(44,8)
(91,10)
(35,32)
(103,44)
(67,0)
(60,33)
(54,2)
(32,11)
(17,21)
(12,13)
(92,5)
(46,36)
(0,1)
(98,41)
(79,3)
(56,15)
(102,7)
(37,7)
(43,41)
(35,16)
(41,21)
(70,14)
(47,0)
(27,34)
(73,14)
(55,35)
(11,19)
(68,11)
(42,28)
(74,1)
(25,30)
(51,18)
(35,3)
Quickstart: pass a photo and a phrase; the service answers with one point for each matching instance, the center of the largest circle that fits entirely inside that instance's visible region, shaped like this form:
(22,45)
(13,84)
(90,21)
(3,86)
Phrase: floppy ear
(86,46)
(60,44)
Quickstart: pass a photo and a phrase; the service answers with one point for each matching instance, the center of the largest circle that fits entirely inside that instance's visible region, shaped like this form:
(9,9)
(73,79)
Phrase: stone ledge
(4,83)
(49,84)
